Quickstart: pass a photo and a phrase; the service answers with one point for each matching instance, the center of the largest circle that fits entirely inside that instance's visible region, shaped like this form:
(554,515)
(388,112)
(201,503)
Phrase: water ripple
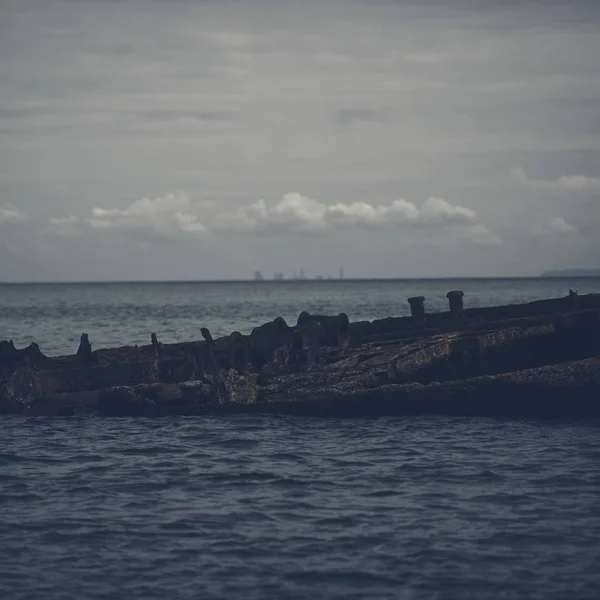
(280,507)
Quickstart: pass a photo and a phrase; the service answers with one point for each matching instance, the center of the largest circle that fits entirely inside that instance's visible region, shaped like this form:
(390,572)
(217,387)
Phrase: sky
(186,140)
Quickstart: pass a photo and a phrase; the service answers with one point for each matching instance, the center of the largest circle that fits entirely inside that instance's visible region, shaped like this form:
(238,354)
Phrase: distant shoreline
(591,274)
(573,273)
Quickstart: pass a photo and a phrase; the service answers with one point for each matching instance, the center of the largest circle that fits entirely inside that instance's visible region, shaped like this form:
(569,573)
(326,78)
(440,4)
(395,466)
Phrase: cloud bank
(556,226)
(167,216)
(295,212)
(175,215)
(9,214)
(565,183)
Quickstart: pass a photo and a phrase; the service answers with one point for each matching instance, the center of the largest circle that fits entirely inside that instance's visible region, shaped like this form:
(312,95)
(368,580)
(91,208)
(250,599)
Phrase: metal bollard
(417,308)
(456,303)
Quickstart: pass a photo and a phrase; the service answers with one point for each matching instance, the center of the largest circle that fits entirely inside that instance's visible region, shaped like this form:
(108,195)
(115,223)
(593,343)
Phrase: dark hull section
(539,360)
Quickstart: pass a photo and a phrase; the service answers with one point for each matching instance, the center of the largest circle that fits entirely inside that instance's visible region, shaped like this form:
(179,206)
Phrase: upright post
(455,298)
(155,345)
(85,348)
(417,308)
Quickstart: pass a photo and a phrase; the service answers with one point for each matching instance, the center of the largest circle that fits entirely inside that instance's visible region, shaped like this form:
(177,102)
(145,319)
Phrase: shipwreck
(540,360)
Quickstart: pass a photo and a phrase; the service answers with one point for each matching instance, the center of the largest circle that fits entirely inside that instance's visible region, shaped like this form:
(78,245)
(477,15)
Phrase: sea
(261,507)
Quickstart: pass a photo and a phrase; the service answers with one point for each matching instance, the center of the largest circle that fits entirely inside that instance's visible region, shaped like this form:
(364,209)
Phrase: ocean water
(261,507)
(268,507)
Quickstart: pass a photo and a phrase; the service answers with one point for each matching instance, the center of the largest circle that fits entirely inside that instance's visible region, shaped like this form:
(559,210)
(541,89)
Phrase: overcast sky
(155,139)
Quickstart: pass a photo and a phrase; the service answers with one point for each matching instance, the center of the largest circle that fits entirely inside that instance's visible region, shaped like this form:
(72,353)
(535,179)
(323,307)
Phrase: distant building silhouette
(300,275)
(258,276)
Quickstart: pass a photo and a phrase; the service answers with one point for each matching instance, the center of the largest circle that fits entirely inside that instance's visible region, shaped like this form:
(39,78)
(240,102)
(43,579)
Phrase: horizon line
(292,280)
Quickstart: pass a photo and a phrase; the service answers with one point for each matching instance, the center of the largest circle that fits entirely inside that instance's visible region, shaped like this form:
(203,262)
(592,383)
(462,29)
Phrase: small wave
(489,475)
(382,494)
(242,444)
(502,498)
(348,577)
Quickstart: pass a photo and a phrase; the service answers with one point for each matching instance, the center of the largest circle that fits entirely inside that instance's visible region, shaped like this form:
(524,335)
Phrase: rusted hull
(540,359)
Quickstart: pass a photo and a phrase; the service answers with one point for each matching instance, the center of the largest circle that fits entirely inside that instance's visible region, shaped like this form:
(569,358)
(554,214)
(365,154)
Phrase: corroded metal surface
(541,358)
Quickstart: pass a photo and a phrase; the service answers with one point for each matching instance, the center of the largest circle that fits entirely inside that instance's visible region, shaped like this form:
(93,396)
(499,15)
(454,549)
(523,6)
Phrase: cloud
(296,212)
(556,225)
(167,216)
(9,214)
(64,225)
(560,225)
(176,215)
(480,235)
(564,183)
(58,221)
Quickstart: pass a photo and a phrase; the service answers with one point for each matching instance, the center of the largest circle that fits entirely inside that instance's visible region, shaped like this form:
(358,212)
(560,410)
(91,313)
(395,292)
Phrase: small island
(538,360)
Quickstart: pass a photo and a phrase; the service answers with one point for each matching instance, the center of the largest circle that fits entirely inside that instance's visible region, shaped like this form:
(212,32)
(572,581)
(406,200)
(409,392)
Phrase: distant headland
(572,273)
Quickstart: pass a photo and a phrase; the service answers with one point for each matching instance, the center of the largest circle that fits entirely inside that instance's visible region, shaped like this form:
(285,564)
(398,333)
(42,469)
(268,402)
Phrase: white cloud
(300,213)
(64,225)
(72,220)
(168,216)
(176,215)
(438,210)
(560,225)
(556,225)
(189,223)
(564,183)
(9,214)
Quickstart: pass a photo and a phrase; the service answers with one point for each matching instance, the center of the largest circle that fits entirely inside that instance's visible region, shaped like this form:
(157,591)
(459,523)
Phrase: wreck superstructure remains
(540,359)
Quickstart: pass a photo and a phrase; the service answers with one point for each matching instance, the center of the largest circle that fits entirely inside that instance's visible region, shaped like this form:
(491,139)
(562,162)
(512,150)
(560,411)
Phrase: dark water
(268,507)
(252,507)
